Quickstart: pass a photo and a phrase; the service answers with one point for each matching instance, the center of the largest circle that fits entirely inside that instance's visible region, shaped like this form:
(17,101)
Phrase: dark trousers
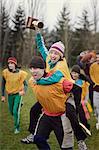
(91,95)
(47,124)
(78,113)
(73,117)
(35,112)
(82,117)
(77,91)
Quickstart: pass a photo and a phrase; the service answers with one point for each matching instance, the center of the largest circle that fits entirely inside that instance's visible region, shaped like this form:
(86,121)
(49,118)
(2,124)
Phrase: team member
(14,81)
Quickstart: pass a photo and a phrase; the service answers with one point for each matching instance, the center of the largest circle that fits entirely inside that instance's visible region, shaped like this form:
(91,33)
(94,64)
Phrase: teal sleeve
(25,85)
(54,78)
(41,46)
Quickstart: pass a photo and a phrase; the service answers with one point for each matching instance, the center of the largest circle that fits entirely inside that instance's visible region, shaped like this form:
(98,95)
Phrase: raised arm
(41,46)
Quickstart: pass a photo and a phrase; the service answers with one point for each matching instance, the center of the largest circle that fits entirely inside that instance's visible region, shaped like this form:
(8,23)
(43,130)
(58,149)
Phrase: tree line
(16,40)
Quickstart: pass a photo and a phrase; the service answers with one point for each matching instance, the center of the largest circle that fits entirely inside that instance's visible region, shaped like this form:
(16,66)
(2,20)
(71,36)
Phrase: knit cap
(13,60)
(59,47)
(75,68)
(37,62)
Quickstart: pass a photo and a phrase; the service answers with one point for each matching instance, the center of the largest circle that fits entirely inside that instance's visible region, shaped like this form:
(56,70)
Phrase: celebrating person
(52,99)
(84,60)
(14,81)
(94,75)
(77,76)
(57,66)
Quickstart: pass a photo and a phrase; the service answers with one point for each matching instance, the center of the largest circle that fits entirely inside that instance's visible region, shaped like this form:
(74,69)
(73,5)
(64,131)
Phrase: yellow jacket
(14,81)
(51,97)
(61,66)
(94,73)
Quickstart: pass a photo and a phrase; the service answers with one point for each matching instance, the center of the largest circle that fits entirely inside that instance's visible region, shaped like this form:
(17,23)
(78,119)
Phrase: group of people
(61,96)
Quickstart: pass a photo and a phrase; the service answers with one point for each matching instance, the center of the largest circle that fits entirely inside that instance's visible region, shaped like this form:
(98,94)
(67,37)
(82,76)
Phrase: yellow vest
(61,66)
(51,97)
(85,89)
(14,81)
(94,73)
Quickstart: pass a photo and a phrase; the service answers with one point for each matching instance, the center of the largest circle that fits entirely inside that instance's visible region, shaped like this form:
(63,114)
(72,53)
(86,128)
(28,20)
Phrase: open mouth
(34,75)
(53,59)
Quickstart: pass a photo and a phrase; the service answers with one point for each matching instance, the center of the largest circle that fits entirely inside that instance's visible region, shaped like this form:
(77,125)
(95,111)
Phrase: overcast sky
(53,8)
(75,6)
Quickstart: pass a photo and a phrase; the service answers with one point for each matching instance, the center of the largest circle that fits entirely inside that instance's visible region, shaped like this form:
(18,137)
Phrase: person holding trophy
(56,65)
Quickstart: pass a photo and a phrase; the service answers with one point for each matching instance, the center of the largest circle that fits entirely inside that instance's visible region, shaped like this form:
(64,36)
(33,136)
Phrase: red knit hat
(13,60)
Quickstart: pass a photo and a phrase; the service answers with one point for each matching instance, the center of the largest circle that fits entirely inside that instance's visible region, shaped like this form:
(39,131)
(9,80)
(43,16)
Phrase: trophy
(33,22)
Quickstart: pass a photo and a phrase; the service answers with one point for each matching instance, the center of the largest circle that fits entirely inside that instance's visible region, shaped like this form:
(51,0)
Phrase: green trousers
(14,102)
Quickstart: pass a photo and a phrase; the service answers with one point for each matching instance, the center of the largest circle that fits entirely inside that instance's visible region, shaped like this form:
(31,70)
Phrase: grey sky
(53,8)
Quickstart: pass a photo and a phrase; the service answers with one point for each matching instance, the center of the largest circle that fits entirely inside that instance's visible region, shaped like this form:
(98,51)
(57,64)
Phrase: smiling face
(37,73)
(54,56)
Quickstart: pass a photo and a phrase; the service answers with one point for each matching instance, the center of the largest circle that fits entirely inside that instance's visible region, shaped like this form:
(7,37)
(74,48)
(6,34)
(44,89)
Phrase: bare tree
(0,30)
(94,4)
(4,17)
(36,9)
(32,8)
(63,30)
(95,19)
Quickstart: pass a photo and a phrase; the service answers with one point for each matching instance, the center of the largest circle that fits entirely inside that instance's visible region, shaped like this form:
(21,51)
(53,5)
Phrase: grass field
(10,141)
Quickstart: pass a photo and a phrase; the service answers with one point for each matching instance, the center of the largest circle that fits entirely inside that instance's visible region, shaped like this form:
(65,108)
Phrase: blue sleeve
(3,86)
(41,46)
(81,64)
(54,78)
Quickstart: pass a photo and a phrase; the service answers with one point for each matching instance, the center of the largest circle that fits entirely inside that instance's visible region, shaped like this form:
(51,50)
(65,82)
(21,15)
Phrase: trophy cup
(33,22)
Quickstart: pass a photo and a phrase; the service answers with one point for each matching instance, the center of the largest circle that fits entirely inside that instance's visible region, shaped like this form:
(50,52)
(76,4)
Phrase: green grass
(10,141)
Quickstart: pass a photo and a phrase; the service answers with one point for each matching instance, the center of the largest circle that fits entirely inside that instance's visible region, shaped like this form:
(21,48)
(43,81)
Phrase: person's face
(84,53)
(75,75)
(11,65)
(54,56)
(37,73)
(92,59)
